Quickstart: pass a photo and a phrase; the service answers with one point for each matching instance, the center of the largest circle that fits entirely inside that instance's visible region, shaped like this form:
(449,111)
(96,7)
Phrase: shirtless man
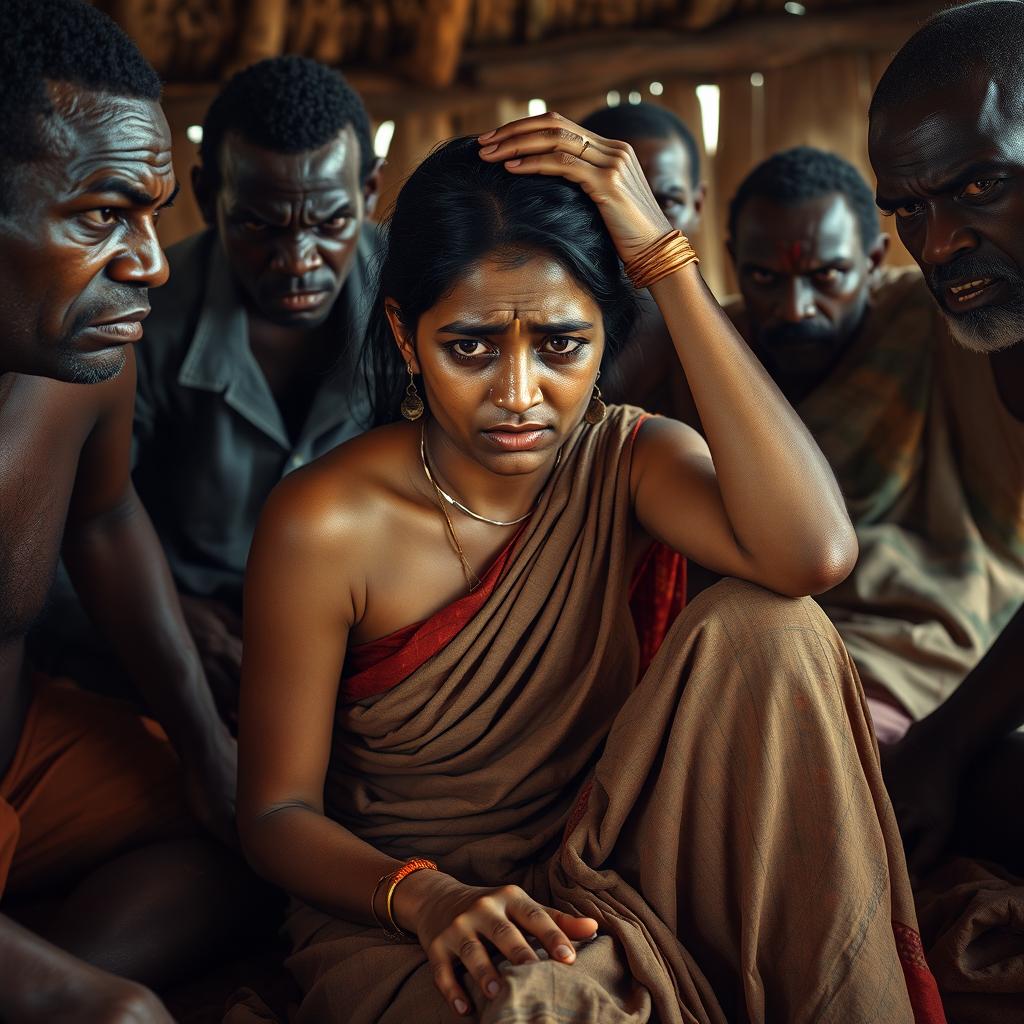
(85,168)
(947,146)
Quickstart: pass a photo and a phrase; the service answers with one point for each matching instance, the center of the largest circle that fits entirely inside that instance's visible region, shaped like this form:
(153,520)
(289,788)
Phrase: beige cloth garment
(932,467)
(972,918)
(724,820)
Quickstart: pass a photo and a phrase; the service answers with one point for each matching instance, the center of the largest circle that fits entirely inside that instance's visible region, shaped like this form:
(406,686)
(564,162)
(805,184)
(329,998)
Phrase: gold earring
(597,410)
(412,404)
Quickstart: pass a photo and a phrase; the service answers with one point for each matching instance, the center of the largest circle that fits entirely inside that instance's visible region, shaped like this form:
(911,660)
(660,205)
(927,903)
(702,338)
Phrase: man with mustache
(947,145)
(806,244)
(92,799)
(250,364)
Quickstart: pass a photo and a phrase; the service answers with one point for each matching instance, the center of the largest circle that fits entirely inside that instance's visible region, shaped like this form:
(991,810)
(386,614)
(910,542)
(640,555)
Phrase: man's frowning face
(289,224)
(950,169)
(78,245)
(806,276)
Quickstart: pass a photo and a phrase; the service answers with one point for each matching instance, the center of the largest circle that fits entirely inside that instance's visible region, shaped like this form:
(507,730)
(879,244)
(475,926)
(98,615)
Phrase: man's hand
(923,779)
(217,632)
(211,780)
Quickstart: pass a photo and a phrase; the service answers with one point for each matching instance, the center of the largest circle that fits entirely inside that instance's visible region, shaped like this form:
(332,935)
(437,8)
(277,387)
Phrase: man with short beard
(947,145)
(92,796)
(808,251)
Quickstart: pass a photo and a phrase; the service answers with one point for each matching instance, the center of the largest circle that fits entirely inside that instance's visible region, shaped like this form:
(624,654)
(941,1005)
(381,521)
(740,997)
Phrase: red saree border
(921,986)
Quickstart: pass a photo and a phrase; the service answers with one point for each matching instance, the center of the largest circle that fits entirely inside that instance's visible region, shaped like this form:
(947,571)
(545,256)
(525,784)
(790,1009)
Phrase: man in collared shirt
(249,367)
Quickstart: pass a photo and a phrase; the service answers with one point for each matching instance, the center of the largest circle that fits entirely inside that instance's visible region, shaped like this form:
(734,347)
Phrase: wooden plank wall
(821,101)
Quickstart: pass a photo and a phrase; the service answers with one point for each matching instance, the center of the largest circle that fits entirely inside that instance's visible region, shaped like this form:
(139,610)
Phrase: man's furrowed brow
(950,181)
(134,194)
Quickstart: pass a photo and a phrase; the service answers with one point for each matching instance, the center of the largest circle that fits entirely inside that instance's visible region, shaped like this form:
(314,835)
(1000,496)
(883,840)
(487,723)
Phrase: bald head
(947,145)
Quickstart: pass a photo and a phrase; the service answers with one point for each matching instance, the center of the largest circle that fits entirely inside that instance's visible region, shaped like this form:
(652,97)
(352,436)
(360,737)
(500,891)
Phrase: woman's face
(508,360)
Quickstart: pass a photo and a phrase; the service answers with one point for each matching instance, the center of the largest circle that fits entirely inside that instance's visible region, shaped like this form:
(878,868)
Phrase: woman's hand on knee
(460,927)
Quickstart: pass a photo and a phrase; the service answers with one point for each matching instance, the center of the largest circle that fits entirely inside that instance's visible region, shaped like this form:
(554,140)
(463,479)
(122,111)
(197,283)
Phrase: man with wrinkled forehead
(96,806)
(947,146)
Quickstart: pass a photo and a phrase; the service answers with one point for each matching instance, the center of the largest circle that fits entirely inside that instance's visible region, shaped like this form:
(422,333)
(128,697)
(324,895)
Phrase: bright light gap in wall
(709,98)
(535,107)
(613,99)
(757,80)
(194,133)
(794,8)
(655,88)
(382,138)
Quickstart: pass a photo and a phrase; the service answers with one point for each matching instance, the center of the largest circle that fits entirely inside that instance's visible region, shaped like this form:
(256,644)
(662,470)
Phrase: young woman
(442,728)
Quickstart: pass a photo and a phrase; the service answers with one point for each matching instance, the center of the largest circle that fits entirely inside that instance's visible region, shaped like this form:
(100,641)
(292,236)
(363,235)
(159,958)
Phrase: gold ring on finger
(586,143)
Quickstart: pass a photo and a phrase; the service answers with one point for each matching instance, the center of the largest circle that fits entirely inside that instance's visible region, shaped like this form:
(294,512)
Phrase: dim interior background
(750,77)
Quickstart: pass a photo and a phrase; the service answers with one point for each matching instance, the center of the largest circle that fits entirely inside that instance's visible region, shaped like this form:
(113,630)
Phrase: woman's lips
(517,440)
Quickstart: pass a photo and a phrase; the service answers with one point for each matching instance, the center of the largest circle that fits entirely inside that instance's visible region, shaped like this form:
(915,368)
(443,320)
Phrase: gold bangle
(664,256)
(392,929)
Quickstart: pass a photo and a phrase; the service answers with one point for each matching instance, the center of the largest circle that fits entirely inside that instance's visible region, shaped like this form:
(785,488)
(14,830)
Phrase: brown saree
(724,819)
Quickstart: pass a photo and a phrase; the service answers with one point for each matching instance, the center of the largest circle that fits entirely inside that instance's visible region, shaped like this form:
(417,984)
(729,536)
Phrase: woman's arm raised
(757,501)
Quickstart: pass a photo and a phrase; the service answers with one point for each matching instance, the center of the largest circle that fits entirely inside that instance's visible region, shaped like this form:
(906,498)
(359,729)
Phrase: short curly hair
(44,41)
(287,105)
(645,121)
(803,173)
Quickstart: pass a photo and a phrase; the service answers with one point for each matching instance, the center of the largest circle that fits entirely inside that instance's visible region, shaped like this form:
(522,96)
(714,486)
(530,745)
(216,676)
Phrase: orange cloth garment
(90,779)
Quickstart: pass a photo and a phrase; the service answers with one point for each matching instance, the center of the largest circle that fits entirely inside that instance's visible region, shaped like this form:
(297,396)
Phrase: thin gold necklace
(471,577)
(458,504)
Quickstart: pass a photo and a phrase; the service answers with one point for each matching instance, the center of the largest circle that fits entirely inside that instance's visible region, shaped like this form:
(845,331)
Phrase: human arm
(41,984)
(120,573)
(308,580)
(758,500)
(924,771)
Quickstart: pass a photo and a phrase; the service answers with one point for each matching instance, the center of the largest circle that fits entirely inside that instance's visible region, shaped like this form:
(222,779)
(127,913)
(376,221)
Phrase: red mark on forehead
(792,256)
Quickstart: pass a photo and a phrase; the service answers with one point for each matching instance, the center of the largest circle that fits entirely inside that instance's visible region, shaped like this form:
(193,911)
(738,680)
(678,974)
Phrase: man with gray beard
(947,145)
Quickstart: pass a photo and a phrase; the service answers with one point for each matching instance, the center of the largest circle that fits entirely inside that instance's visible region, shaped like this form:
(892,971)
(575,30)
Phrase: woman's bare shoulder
(343,498)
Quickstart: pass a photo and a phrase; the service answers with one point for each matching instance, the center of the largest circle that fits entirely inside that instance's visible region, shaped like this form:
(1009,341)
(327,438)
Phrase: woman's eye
(335,223)
(469,348)
(762,277)
(562,346)
(829,276)
(908,210)
(254,225)
(102,217)
(978,188)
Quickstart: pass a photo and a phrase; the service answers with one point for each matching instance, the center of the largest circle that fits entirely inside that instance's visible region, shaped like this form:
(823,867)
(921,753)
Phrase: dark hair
(43,41)
(803,173)
(287,105)
(454,210)
(951,48)
(644,121)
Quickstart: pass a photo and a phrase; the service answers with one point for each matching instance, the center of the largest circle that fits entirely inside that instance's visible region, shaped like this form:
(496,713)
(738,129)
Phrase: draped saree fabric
(724,819)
